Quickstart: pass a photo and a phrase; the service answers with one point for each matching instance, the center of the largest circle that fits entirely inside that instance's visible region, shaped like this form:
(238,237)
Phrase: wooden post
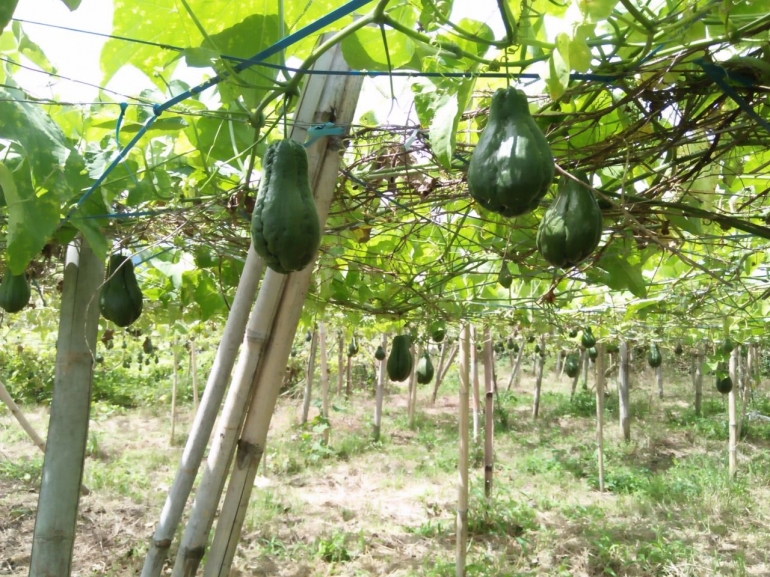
(731,412)
(623,397)
(461,529)
(489,413)
(600,413)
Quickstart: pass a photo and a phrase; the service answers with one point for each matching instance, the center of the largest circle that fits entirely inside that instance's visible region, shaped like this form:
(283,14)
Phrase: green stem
(641,18)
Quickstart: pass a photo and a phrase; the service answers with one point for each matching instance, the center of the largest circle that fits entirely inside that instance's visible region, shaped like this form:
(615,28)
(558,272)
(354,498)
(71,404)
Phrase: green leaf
(72,4)
(30,49)
(207,295)
(365,50)
(618,274)
(7,8)
(32,219)
(432,11)
(557,75)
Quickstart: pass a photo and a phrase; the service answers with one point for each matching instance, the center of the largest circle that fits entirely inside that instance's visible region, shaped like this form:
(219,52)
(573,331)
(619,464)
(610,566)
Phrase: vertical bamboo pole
(462,464)
(413,384)
(348,378)
(377,427)
(194,374)
(340,361)
(57,507)
(475,383)
(731,411)
(746,370)
(584,360)
(600,413)
(204,419)
(489,413)
(623,377)
(334,95)
(557,366)
(439,369)
(324,380)
(659,380)
(306,397)
(174,387)
(698,379)
(538,379)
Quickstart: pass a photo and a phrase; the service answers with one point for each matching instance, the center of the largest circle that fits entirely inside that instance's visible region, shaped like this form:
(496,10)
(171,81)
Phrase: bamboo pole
(174,387)
(659,380)
(746,370)
(538,379)
(413,384)
(323,95)
(517,366)
(348,378)
(475,382)
(306,397)
(6,398)
(380,391)
(324,380)
(623,398)
(439,369)
(698,377)
(731,412)
(203,422)
(194,374)
(584,360)
(489,413)
(600,413)
(258,332)
(57,508)
(340,361)
(461,531)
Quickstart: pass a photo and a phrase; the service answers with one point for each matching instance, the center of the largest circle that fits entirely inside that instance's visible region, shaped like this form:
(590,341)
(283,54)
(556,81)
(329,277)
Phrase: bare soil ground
(389,508)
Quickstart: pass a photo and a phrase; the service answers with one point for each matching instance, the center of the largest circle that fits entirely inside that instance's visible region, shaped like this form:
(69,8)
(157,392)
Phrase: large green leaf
(7,8)
(366,50)
(32,218)
(166,22)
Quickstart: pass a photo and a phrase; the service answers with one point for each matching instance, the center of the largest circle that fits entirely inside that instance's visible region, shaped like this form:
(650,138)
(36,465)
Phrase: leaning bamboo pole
(380,392)
(439,369)
(732,448)
(441,374)
(57,507)
(516,367)
(324,380)
(326,95)
(205,417)
(6,398)
(489,413)
(306,397)
(461,529)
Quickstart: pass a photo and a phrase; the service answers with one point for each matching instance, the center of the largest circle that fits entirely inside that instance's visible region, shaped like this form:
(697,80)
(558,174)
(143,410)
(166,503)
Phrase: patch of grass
(333,548)
(500,515)
(25,470)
